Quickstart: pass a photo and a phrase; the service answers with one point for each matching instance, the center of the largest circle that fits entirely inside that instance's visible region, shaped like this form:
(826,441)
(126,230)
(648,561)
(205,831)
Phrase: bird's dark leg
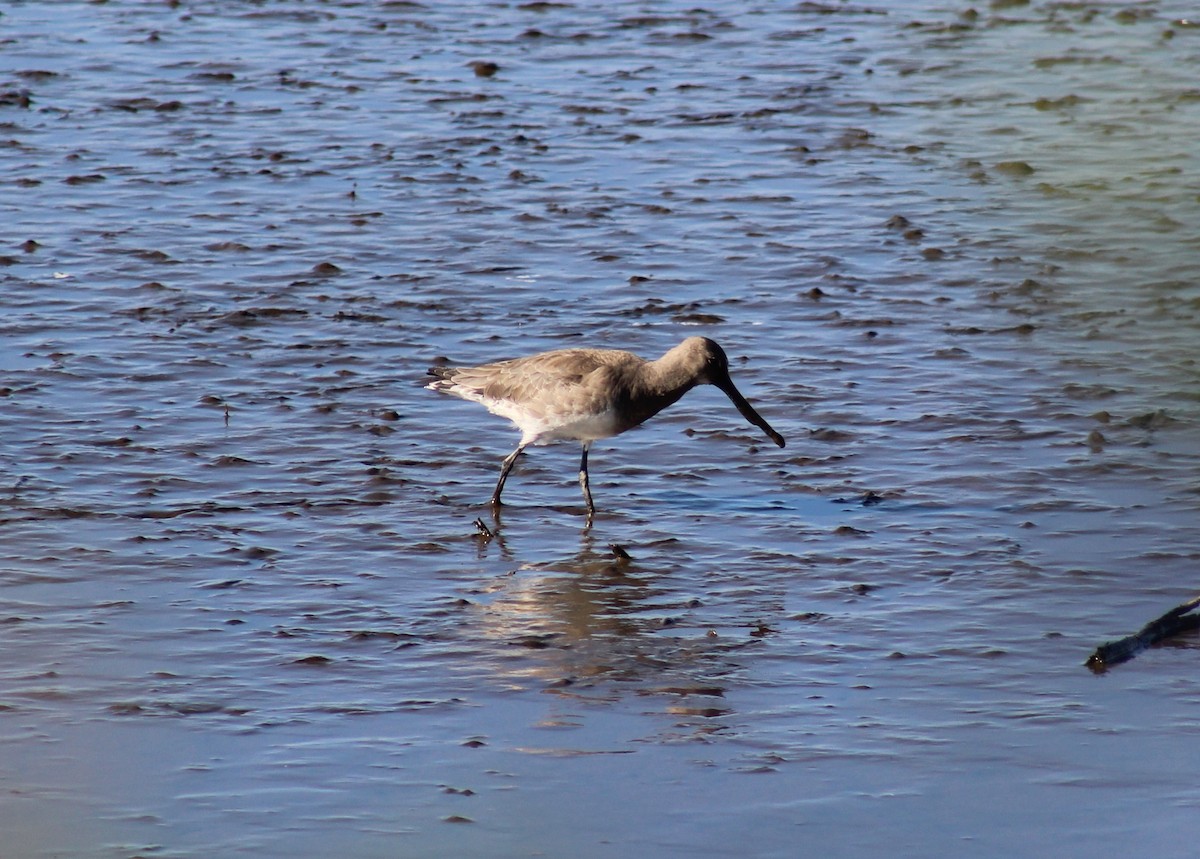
(583,480)
(505,468)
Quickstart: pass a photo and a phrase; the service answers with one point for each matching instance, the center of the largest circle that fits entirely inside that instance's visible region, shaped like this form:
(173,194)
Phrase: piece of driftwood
(1174,622)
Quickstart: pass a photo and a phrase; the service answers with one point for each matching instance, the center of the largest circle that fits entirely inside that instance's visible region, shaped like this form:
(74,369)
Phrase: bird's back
(567,393)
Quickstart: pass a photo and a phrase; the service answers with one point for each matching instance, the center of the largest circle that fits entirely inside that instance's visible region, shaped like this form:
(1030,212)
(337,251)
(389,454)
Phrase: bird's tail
(444,378)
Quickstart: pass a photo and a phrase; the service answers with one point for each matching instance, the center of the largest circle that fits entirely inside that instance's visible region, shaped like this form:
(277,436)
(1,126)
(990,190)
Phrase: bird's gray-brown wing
(548,386)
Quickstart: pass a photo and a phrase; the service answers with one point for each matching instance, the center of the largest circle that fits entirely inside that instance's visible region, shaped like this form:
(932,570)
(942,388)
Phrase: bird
(588,394)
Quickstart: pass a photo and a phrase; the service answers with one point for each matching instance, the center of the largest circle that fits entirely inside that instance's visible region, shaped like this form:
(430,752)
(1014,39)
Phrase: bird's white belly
(586,428)
(552,428)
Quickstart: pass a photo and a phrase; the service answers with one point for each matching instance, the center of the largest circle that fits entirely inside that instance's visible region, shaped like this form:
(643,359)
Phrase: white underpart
(539,429)
(584,429)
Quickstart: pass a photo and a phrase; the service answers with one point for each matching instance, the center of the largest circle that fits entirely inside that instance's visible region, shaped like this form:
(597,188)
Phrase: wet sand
(245,607)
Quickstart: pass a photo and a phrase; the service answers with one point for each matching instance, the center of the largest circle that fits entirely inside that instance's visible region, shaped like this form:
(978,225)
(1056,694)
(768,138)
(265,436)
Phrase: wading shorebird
(587,394)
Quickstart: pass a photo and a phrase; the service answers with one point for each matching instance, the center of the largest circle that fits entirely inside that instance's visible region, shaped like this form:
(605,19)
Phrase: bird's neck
(657,384)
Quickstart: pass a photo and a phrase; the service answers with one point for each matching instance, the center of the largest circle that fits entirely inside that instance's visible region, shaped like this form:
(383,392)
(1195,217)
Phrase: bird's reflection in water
(587,626)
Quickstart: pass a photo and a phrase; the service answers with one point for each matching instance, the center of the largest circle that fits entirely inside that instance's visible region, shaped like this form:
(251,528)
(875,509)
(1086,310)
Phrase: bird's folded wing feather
(574,381)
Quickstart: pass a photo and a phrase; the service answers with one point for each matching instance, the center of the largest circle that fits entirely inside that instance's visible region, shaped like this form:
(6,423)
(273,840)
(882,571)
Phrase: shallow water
(245,609)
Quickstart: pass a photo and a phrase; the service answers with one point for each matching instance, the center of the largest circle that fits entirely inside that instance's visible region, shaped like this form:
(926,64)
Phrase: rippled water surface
(245,610)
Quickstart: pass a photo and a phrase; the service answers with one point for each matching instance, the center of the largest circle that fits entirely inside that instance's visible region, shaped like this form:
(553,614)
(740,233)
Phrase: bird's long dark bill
(747,410)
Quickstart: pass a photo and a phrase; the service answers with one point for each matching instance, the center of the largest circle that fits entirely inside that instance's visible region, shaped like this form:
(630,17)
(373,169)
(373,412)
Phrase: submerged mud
(245,607)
